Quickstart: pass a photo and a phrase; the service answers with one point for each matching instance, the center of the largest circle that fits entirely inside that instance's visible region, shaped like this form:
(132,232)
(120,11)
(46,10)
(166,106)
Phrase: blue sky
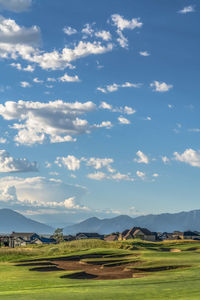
(99,108)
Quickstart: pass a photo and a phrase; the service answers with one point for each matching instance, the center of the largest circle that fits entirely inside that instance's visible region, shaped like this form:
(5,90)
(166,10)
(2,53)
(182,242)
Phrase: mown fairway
(154,271)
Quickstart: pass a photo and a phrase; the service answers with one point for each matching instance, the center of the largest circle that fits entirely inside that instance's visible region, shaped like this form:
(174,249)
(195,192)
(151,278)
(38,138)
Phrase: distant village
(17,239)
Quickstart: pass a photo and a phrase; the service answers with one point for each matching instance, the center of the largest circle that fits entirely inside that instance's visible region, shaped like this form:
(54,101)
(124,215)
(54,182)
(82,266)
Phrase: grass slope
(181,283)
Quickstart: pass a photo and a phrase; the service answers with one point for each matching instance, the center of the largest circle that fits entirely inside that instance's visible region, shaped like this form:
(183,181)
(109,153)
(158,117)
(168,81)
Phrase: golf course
(94,269)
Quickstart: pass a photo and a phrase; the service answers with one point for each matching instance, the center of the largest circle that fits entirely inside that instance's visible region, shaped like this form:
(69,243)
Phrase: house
(140,233)
(83,235)
(4,240)
(18,239)
(191,235)
(111,237)
(27,236)
(43,240)
(68,238)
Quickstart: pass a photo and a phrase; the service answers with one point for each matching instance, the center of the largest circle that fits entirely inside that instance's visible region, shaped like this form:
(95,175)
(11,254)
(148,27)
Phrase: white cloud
(25,84)
(70,162)
(122,40)
(99,163)
(189,156)
(3,140)
(141,174)
(122,23)
(12,34)
(40,192)
(161,86)
(103,176)
(187,9)
(114,87)
(104,124)
(67,78)
(144,53)
(8,164)
(19,67)
(36,80)
(165,159)
(104,35)
(29,68)
(105,105)
(87,29)
(126,109)
(142,158)
(57,120)
(69,30)
(155,175)
(123,120)
(15,5)
(17,41)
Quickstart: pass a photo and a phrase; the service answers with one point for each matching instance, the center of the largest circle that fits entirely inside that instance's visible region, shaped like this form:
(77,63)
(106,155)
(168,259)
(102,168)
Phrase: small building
(111,237)
(140,233)
(68,238)
(191,235)
(83,236)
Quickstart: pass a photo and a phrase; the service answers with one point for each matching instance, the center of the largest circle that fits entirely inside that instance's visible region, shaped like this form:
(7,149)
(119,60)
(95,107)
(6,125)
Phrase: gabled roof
(23,234)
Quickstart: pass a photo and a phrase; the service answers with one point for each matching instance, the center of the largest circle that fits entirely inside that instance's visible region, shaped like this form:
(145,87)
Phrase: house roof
(89,234)
(23,234)
(190,233)
(111,238)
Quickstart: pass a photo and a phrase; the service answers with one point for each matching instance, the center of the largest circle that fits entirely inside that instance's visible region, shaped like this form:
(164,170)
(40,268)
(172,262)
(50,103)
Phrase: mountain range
(12,221)
(165,222)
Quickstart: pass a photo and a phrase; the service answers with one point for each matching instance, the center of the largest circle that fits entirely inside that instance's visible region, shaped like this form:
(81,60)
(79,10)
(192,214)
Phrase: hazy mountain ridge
(164,222)
(12,221)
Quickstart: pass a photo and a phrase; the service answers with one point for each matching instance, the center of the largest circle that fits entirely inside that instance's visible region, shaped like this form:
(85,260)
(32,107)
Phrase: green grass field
(158,272)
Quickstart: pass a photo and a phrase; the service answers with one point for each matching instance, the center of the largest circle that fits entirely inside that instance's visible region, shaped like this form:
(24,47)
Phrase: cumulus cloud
(20,42)
(19,67)
(187,9)
(36,80)
(104,124)
(104,35)
(25,84)
(123,120)
(140,174)
(99,163)
(70,162)
(144,53)
(56,120)
(15,5)
(189,156)
(40,192)
(12,34)
(9,164)
(161,86)
(165,159)
(142,158)
(67,78)
(69,30)
(121,23)
(126,109)
(114,87)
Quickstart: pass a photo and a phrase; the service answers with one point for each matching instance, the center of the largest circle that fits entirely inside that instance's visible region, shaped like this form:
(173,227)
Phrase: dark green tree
(58,235)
